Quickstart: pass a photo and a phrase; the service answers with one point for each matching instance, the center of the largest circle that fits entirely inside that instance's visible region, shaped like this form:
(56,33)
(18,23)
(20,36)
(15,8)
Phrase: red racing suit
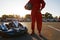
(36,15)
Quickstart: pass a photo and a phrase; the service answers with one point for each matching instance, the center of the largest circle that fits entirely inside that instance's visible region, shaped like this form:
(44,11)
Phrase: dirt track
(50,30)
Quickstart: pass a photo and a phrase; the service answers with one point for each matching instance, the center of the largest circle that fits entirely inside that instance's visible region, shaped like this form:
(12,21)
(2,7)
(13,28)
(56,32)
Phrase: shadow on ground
(23,37)
(36,36)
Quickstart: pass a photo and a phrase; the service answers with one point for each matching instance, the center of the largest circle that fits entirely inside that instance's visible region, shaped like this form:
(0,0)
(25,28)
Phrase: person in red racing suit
(37,6)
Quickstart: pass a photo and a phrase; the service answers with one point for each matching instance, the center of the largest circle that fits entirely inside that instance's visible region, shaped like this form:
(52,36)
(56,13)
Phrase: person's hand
(40,10)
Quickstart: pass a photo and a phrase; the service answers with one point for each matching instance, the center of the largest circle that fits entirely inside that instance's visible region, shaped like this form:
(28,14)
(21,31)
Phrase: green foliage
(10,16)
(48,15)
(27,16)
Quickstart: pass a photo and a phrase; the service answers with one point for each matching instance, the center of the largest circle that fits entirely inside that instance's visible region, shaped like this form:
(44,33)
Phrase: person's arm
(42,4)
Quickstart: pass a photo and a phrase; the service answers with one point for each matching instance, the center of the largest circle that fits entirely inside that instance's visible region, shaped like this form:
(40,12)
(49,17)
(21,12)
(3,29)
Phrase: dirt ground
(50,31)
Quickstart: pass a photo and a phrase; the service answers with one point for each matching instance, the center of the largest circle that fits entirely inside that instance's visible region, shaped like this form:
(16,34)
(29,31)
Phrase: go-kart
(12,30)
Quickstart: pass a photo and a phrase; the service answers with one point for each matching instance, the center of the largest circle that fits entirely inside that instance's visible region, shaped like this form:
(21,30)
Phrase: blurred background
(14,10)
